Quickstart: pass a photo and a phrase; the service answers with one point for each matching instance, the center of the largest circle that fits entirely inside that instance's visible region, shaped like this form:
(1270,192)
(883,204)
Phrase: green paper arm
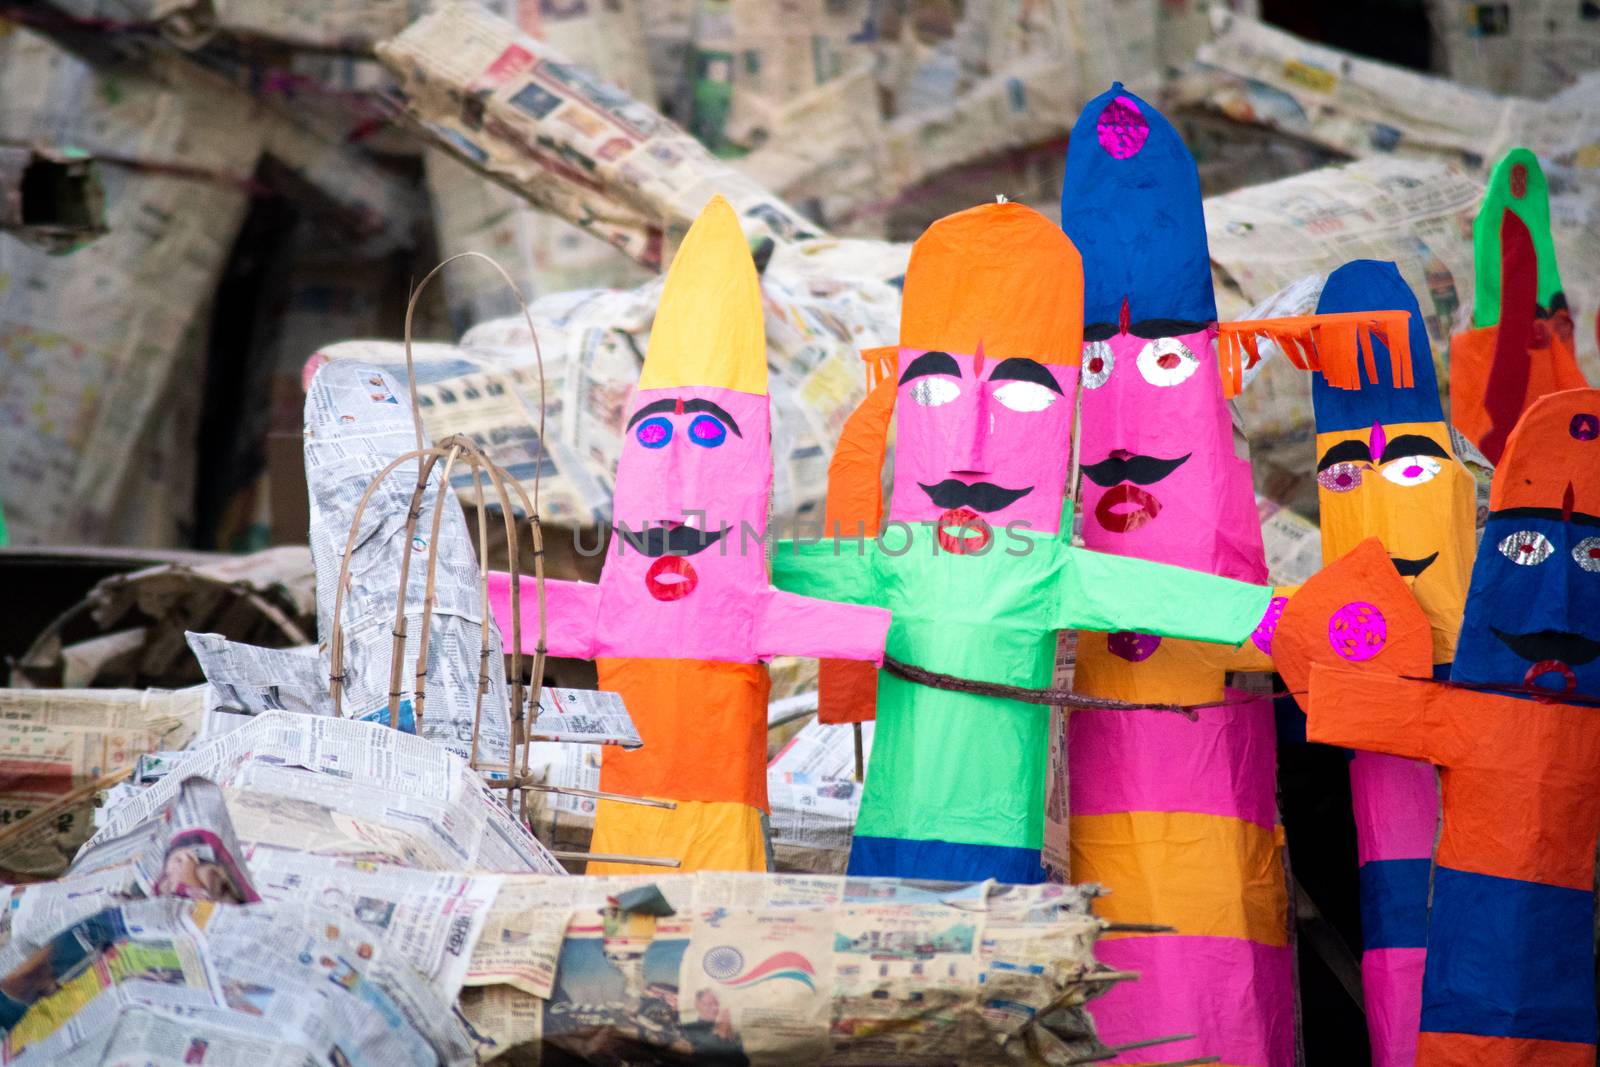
(1111,593)
(828,569)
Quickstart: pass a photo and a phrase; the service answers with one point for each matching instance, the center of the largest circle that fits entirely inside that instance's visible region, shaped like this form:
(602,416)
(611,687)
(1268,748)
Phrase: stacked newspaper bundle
(289,883)
(786,969)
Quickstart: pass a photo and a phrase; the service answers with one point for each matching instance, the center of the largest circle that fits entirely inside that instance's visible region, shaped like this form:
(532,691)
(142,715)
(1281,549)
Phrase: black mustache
(1410,568)
(1141,470)
(979,496)
(1572,649)
(680,540)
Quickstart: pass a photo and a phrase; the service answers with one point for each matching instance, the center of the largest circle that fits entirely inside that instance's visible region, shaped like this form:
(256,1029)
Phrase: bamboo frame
(453,449)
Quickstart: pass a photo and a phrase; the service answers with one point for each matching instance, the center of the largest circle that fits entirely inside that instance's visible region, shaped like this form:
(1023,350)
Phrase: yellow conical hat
(708,328)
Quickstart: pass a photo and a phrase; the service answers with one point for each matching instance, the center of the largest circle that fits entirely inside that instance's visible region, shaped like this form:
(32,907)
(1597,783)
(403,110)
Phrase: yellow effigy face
(1401,483)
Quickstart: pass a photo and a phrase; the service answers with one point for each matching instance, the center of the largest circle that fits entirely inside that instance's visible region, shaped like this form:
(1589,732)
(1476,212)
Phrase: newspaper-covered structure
(1527,47)
(584,717)
(142,953)
(85,376)
(354,790)
(765,969)
(128,629)
(784,969)
(358,420)
(544,253)
(814,795)
(189,848)
(1364,107)
(105,348)
(58,746)
(574,145)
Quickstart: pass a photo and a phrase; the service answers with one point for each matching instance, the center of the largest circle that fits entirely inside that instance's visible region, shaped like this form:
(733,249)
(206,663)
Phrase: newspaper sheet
(894,960)
(1293,543)
(584,716)
(767,975)
(248,680)
(433,920)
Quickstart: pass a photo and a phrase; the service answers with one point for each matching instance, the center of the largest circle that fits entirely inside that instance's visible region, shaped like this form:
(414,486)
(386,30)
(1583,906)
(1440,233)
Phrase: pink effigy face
(1161,479)
(981,443)
(690,504)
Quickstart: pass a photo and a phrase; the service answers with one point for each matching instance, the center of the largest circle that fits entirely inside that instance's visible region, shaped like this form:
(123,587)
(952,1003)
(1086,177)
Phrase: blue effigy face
(1533,612)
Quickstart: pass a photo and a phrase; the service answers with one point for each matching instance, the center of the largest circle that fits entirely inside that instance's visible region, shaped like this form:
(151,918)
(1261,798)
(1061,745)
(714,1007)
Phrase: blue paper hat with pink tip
(1374,285)
(1131,204)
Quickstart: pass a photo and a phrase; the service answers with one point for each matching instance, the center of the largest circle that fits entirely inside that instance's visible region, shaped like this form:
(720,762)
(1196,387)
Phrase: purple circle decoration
(1122,129)
(1135,648)
(1264,631)
(1584,426)
(1358,631)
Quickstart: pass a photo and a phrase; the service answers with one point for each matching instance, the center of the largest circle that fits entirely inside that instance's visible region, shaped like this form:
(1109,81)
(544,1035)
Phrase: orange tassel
(882,362)
(1336,345)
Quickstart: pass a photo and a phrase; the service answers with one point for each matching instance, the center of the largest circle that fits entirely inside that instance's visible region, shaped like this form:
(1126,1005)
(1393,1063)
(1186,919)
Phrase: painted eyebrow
(1149,329)
(713,409)
(1413,444)
(656,407)
(1018,369)
(652,408)
(1344,452)
(931,363)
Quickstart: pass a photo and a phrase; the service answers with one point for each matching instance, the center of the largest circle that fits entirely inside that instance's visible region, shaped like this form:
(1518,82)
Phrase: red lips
(1551,666)
(1137,507)
(671,578)
(971,535)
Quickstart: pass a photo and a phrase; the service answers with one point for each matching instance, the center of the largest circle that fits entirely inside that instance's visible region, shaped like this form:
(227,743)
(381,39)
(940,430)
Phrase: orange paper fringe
(881,363)
(1336,345)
